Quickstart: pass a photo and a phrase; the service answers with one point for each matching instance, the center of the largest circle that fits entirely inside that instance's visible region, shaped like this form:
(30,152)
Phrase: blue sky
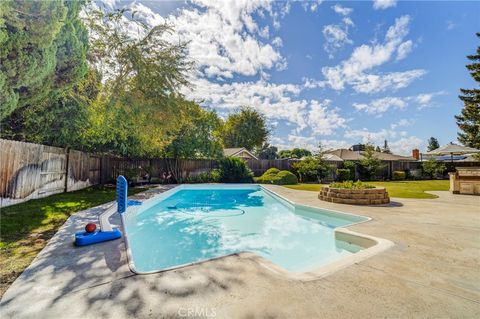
(335,72)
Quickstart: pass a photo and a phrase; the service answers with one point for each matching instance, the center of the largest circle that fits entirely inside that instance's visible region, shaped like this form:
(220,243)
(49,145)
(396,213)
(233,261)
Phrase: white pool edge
(356,238)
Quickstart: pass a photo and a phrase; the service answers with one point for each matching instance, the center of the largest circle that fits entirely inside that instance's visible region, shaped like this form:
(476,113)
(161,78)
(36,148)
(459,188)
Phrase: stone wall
(371,196)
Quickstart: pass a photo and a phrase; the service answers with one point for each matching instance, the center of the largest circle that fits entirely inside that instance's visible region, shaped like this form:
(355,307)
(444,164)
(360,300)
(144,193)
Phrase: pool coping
(371,245)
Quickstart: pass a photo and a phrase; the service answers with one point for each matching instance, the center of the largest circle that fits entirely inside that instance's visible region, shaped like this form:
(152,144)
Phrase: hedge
(399,175)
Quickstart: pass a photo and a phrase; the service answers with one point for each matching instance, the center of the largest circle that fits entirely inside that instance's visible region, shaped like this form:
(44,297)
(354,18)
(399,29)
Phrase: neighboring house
(348,155)
(240,152)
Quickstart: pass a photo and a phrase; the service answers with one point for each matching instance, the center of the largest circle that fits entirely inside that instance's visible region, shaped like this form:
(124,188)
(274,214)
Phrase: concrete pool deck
(433,271)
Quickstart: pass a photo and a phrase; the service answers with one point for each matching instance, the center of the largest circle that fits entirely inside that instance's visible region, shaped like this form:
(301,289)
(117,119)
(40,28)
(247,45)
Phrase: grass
(402,189)
(25,228)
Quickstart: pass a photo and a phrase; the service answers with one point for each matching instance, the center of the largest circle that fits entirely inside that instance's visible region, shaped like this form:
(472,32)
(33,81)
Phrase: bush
(272,171)
(312,169)
(286,178)
(234,170)
(399,175)
(343,174)
(351,185)
(206,177)
(280,178)
(433,168)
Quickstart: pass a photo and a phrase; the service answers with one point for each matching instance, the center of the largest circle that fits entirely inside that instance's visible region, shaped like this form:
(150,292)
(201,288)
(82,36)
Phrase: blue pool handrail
(122,194)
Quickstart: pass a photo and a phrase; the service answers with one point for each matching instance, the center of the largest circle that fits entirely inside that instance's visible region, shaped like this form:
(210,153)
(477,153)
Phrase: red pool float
(90,228)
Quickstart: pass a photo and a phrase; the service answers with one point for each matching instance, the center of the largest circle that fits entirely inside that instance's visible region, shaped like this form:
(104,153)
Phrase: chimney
(416,154)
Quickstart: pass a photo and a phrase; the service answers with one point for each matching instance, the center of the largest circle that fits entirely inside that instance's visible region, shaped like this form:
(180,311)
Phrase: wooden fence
(32,170)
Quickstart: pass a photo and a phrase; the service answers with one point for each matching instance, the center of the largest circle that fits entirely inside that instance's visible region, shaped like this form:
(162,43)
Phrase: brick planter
(370,196)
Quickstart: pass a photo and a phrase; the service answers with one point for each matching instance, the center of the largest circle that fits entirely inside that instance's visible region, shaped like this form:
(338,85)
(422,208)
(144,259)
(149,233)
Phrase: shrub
(370,163)
(280,178)
(234,170)
(351,185)
(312,169)
(131,174)
(433,168)
(399,175)
(272,171)
(212,176)
(350,165)
(343,174)
(286,178)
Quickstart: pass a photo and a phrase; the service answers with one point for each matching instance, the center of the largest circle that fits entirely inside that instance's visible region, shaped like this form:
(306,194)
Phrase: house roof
(237,150)
(348,155)
(333,158)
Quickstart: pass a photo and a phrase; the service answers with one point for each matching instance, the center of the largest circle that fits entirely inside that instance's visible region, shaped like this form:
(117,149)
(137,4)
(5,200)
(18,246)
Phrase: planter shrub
(234,170)
(343,174)
(351,185)
(399,175)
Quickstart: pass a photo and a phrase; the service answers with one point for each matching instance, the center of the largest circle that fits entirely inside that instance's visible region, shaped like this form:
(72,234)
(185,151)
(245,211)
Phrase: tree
(377,149)
(198,137)
(385,148)
(432,144)
(433,168)
(312,167)
(42,53)
(370,163)
(294,153)
(245,127)
(140,110)
(469,119)
(267,151)
(62,122)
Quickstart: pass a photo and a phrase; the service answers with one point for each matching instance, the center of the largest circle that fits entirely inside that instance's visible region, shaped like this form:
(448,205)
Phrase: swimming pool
(194,223)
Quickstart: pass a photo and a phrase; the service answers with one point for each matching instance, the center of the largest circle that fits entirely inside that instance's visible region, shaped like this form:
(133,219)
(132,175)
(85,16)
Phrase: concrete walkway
(433,271)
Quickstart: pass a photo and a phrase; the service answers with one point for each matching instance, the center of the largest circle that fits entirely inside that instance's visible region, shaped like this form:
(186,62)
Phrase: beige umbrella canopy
(453,149)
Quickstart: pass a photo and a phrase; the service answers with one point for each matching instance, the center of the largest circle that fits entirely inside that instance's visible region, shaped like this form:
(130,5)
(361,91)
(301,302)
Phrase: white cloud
(450,25)
(265,32)
(353,71)
(336,35)
(384,4)
(404,49)
(365,136)
(380,82)
(405,122)
(277,41)
(322,120)
(311,5)
(276,101)
(425,99)
(405,145)
(222,35)
(309,83)
(222,38)
(399,142)
(381,105)
(342,10)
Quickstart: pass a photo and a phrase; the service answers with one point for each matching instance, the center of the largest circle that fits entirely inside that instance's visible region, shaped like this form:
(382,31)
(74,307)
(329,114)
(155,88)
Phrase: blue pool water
(197,223)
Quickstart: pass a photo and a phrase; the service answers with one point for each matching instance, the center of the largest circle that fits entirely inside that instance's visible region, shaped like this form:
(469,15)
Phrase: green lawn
(25,228)
(402,189)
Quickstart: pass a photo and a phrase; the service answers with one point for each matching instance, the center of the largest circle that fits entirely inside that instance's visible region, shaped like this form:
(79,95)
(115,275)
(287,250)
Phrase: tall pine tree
(469,119)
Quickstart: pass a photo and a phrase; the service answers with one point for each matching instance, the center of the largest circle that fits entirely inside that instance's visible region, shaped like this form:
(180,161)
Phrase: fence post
(67,160)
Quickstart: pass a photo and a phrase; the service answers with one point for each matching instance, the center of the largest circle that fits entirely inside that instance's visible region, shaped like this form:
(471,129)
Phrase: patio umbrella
(453,149)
